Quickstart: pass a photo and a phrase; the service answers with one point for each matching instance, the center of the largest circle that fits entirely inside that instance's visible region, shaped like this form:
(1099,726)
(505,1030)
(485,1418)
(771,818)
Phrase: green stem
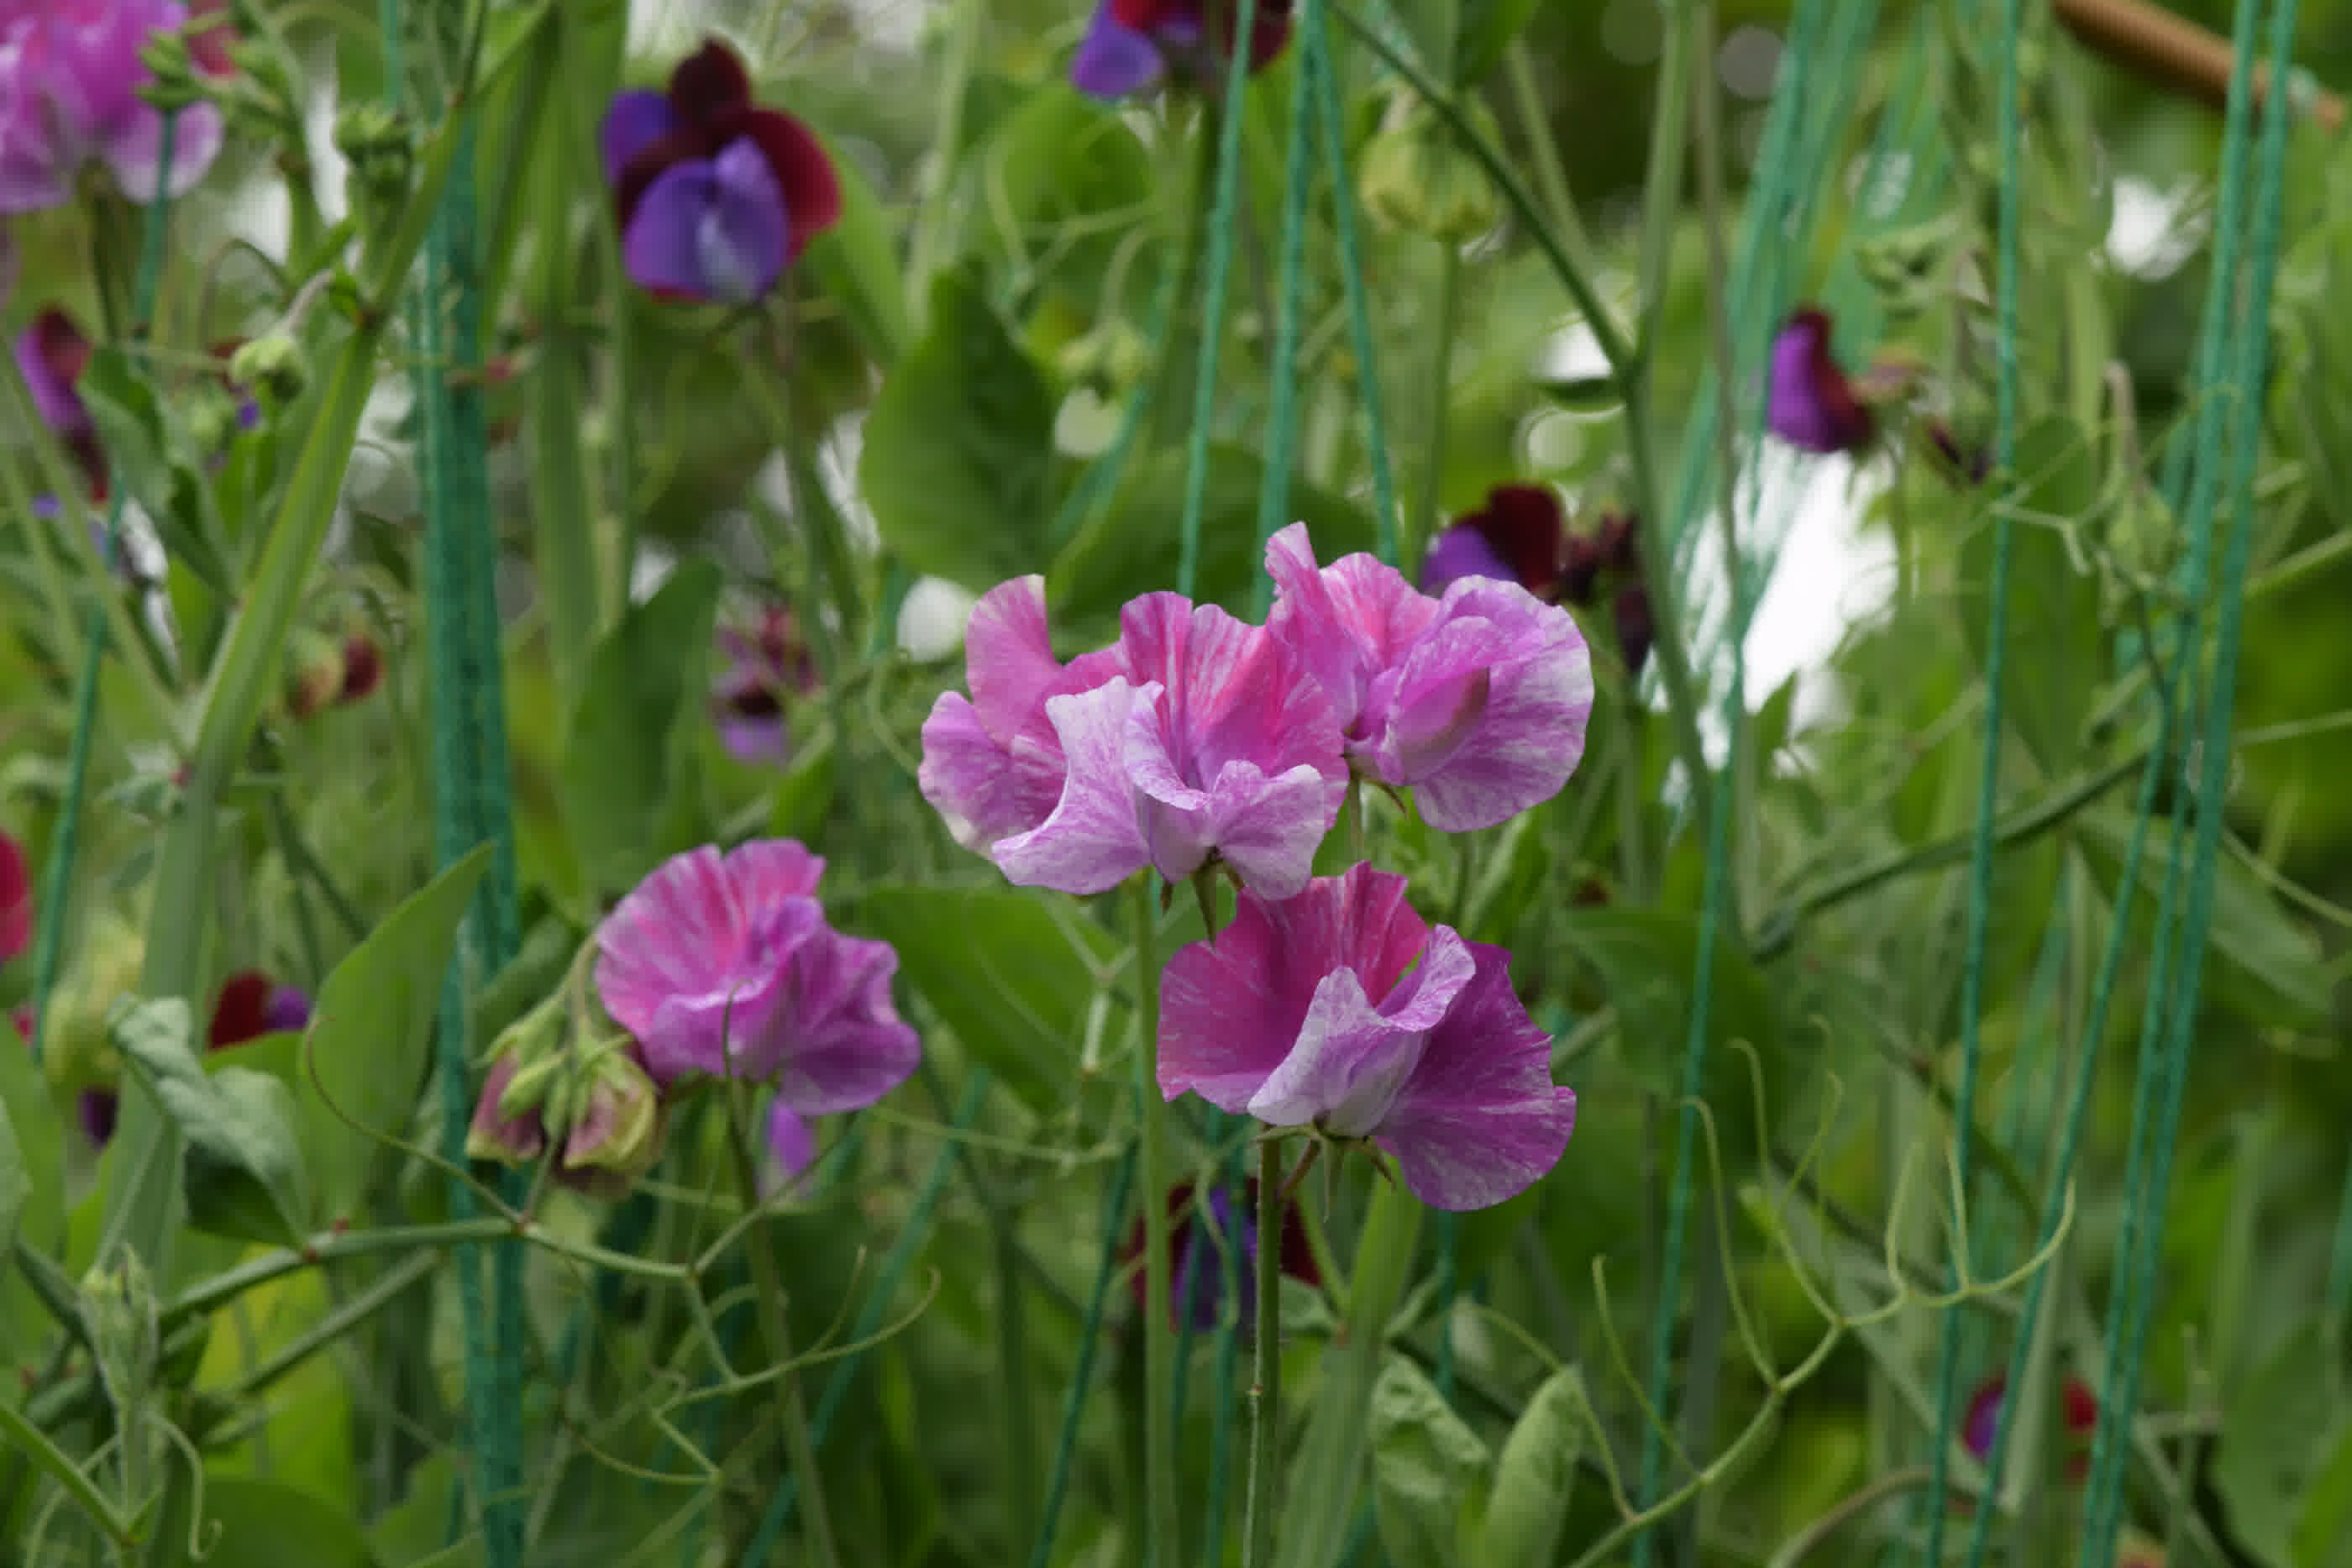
(29,1440)
(1266,1390)
(1161,1543)
(336,1323)
(1423,518)
(778,1331)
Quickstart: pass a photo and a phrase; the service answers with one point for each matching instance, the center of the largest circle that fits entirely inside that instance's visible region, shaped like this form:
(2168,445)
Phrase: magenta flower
(1342,1010)
(1130,44)
(16,900)
(716,194)
(765,669)
(1812,405)
(725,965)
(1194,737)
(790,1146)
(1476,701)
(252,1005)
(70,80)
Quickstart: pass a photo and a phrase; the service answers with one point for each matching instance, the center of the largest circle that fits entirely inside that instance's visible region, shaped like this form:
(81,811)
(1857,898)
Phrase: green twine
(1065,1446)
(1212,302)
(2126,1349)
(1326,88)
(764,1540)
(1282,426)
(50,938)
(1979,908)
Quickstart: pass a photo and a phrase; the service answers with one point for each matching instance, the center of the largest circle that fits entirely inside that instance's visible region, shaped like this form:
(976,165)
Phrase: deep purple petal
(804,171)
(634,121)
(791,1141)
(836,1041)
(287,1011)
(710,229)
(1811,403)
(760,739)
(1479,1121)
(1114,61)
(1231,1009)
(1092,840)
(50,355)
(1460,552)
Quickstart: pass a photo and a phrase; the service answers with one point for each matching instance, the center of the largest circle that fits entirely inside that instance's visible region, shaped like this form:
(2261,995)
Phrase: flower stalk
(1265,1389)
(1159,1333)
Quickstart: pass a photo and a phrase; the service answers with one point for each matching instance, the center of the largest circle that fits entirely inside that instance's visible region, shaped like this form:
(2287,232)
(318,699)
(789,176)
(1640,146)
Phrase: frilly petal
(1092,840)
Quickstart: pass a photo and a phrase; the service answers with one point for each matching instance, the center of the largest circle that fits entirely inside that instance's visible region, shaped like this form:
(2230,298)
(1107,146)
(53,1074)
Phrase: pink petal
(1352,1059)
(791,1141)
(767,870)
(982,791)
(1529,735)
(836,1041)
(1092,840)
(1346,622)
(1009,656)
(132,147)
(1231,1009)
(1480,1120)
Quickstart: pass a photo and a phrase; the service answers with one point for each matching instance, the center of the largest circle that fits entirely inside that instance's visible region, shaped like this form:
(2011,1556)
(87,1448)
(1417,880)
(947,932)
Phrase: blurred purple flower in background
(716,195)
(1343,1009)
(1813,406)
(70,73)
(1131,44)
(766,668)
(51,355)
(1196,1274)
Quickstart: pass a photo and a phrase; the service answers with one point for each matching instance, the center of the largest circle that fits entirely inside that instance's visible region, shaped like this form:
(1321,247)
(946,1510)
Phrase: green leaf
(16,1189)
(2323,1534)
(2267,965)
(1485,29)
(369,1034)
(1536,1476)
(621,765)
(804,797)
(269,1521)
(1646,961)
(1429,1472)
(38,1139)
(409,1534)
(2055,659)
(2277,1441)
(855,263)
(1059,174)
(141,448)
(241,1169)
(1012,973)
(1133,544)
(959,448)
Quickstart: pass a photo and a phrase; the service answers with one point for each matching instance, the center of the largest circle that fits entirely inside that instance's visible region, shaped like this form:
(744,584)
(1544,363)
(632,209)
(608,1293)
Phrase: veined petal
(1345,622)
(983,789)
(839,1042)
(1352,1058)
(1479,1120)
(1092,840)
(1009,656)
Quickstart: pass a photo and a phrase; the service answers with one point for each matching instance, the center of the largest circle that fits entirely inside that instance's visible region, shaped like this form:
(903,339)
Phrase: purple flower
(1196,1274)
(1194,737)
(1982,1421)
(764,669)
(16,900)
(716,194)
(1519,536)
(1476,701)
(51,355)
(725,965)
(790,1146)
(1130,44)
(1341,1009)
(70,80)
(1812,405)
(252,1005)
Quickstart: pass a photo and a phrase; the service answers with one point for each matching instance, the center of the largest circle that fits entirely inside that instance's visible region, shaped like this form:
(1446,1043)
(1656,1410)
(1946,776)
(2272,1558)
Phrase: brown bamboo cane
(2183,55)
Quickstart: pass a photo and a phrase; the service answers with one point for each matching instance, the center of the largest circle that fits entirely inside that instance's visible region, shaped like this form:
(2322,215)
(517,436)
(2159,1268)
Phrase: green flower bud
(382,151)
(617,1134)
(78,1052)
(212,419)
(259,65)
(117,1311)
(173,83)
(273,364)
(1417,178)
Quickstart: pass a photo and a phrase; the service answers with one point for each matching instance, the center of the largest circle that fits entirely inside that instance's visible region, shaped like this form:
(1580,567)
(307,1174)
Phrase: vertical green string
(1325,89)
(1290,305)
(2010,115)
(1220,242)
(1073,1407)
(48,940)
(2127,1349)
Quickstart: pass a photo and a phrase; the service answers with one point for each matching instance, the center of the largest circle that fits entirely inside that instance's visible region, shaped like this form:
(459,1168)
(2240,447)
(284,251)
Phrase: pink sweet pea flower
(1341,1009)
(1477,700)
(70,80)
(725,965)
(1194,737)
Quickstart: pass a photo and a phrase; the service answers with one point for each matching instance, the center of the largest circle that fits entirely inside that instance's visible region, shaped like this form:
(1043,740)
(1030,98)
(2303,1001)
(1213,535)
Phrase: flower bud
(495,1134)
(173,85)
(75,1048)
(381,149)
(318,676)
(273,364)
(118,1314)
(617,1131)
(212,419)
(1417,178)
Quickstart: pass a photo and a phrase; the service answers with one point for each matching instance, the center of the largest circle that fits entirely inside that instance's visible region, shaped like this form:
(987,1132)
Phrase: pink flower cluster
(1197,740)
(70,73)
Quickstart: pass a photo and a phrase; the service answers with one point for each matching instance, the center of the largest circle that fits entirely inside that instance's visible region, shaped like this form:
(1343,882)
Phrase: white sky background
(1827,576)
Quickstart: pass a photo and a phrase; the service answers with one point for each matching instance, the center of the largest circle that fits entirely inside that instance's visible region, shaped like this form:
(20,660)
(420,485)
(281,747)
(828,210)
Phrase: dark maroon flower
(51,355)
(1196,1282)
(1630,610)
(1131,44)
(1983,1419)
(1519,536)
(363,668)
(253,1005)
(1812,405)
(716,194)
(16,900)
